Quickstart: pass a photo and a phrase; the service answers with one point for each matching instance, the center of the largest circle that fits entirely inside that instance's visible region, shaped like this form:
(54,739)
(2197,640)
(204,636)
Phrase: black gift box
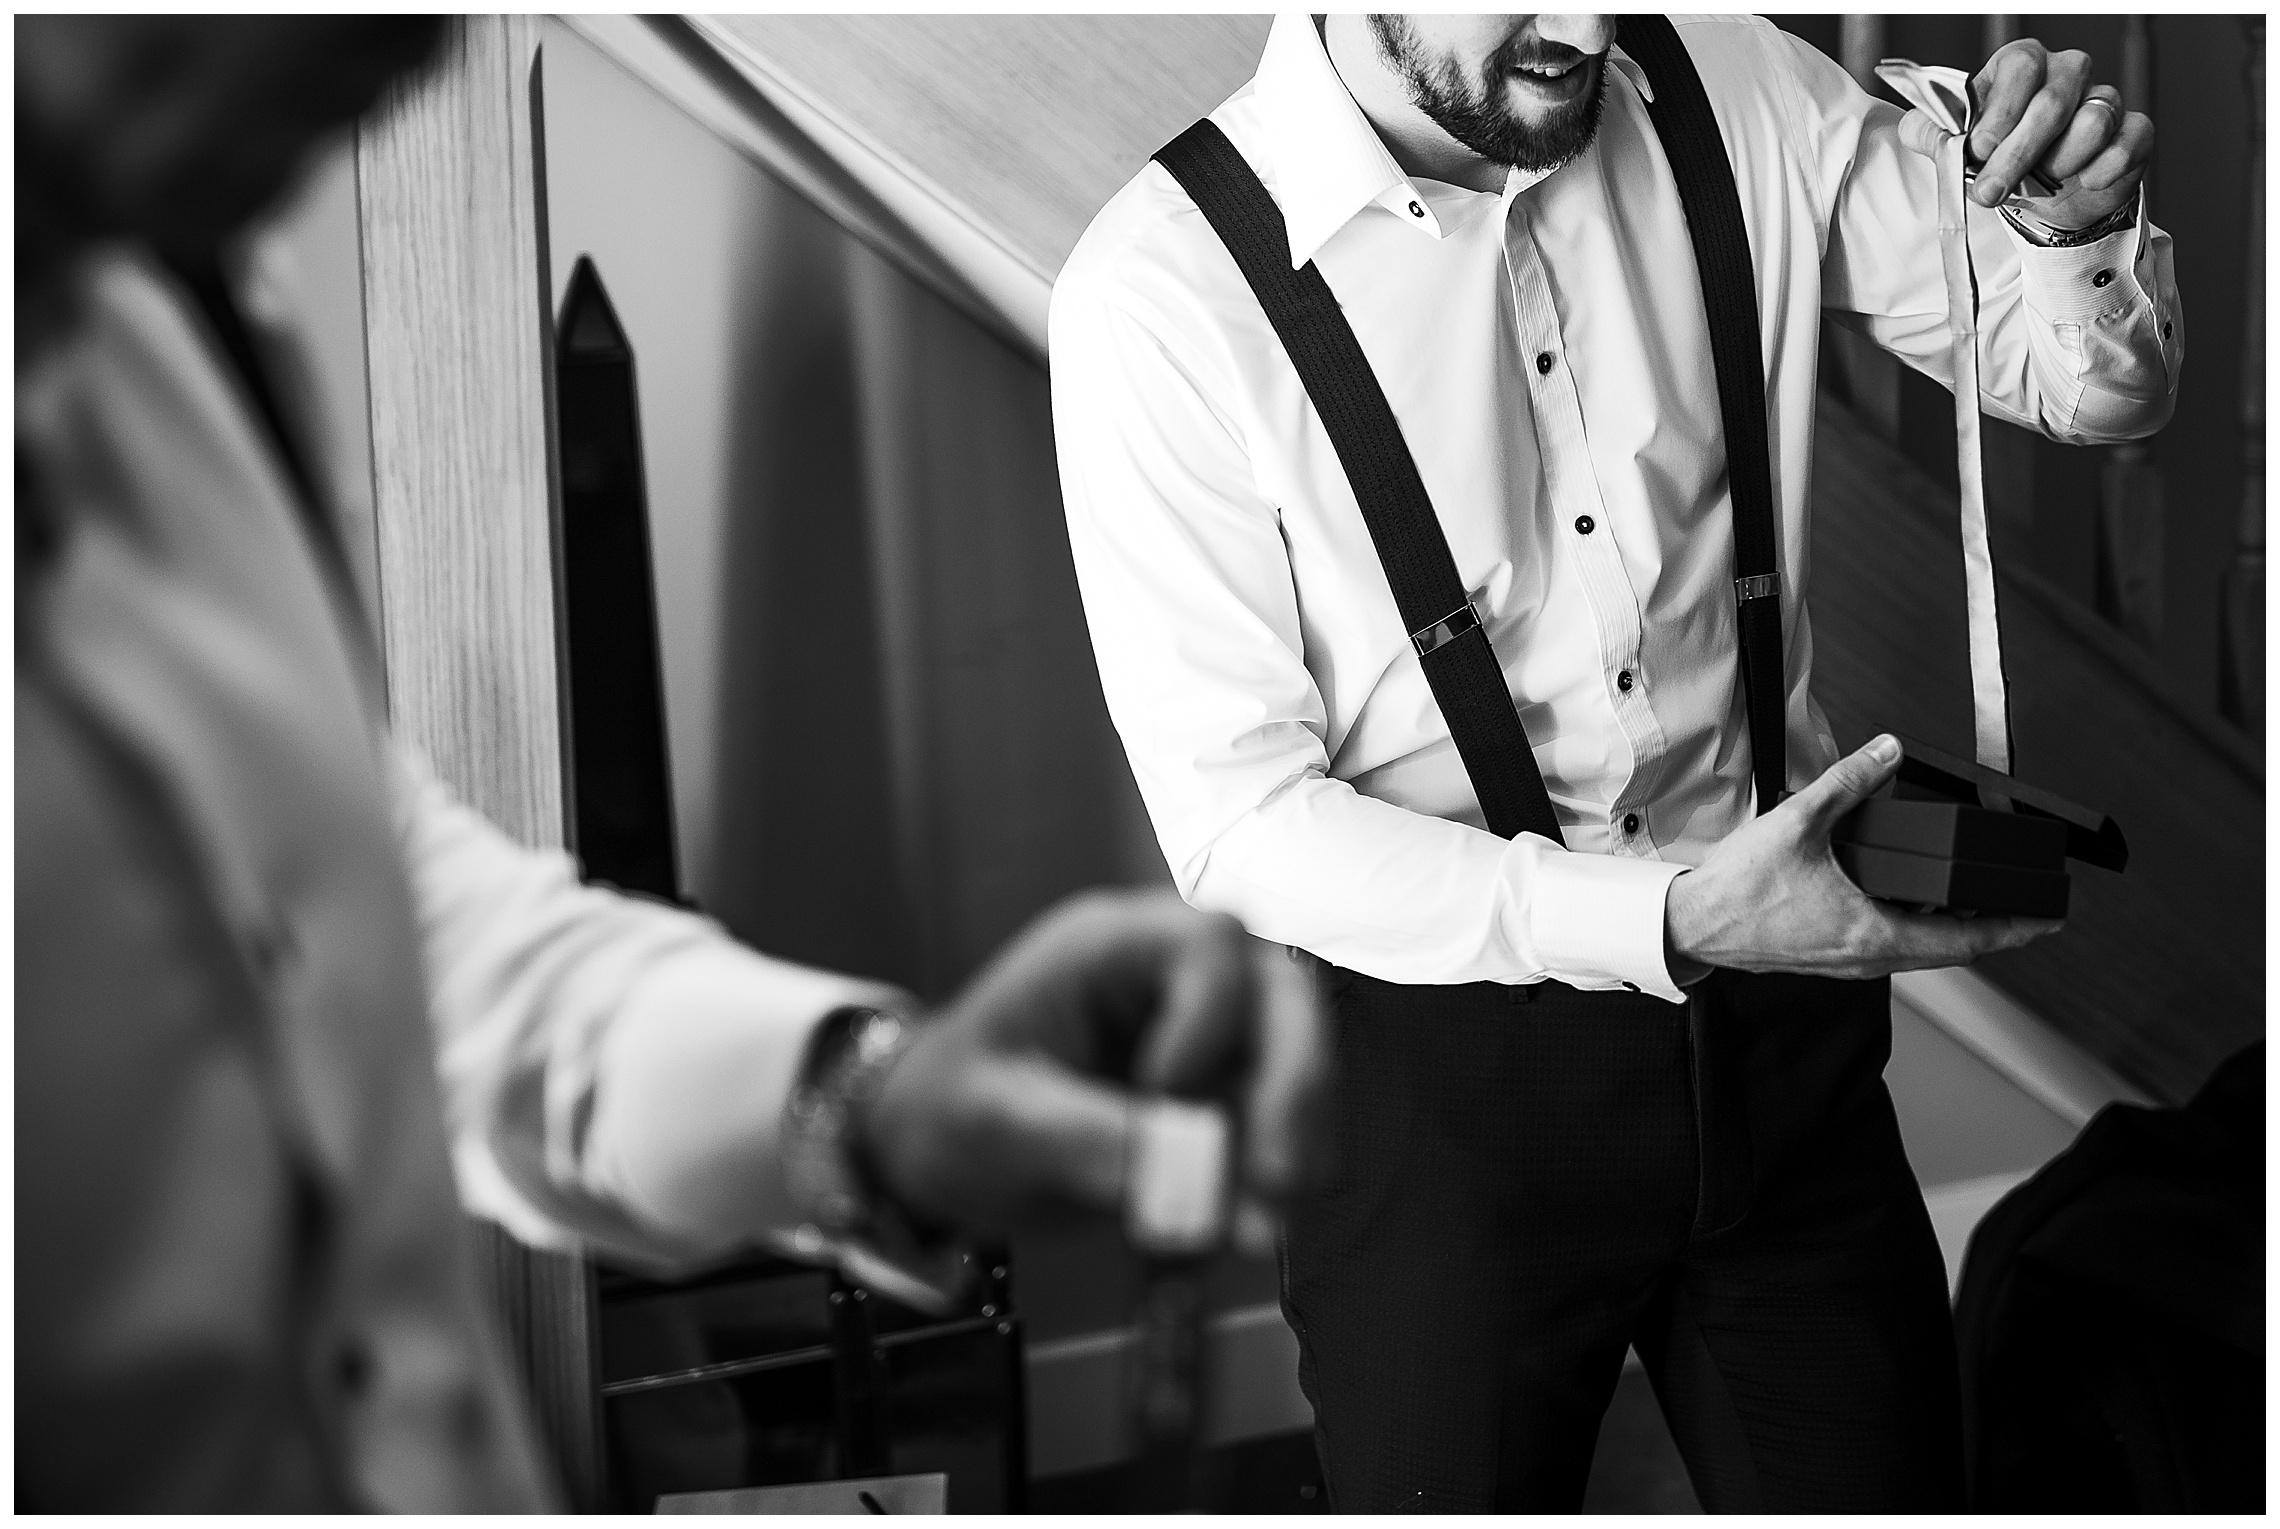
(1943,840)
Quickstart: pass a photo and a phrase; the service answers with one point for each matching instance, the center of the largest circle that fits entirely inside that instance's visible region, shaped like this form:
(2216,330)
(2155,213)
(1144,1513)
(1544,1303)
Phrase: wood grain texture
(2160,970)
(457,351)
(459,355)
(1024,124)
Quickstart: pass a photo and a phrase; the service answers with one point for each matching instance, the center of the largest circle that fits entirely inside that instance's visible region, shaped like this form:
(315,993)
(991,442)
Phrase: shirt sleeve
(613,1070)
(1195,624)
(2082,344)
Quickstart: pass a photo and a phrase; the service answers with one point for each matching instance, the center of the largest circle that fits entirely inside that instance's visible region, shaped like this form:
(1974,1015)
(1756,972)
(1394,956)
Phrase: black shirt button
(1623,681)
(1630,822)
(1544,361)
(2102,279)
(1583,525)
(1416,211)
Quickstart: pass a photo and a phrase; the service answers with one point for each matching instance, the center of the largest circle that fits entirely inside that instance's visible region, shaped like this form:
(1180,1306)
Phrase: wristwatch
(2050,236)
(848,1214)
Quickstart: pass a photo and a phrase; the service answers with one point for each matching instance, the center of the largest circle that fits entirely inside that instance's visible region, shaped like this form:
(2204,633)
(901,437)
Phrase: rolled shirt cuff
(2062,285)
(694,1074)
(1596,921)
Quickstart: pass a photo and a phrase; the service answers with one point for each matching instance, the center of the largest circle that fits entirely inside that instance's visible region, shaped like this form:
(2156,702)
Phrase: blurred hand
(1771,897)
(1014,1106)
(2038,110)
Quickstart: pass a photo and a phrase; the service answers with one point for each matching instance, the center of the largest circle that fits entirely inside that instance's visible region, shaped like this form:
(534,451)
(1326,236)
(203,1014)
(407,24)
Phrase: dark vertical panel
(622,808)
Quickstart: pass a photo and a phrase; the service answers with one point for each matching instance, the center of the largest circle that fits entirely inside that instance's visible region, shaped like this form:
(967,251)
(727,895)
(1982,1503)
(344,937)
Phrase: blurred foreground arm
(615,1071)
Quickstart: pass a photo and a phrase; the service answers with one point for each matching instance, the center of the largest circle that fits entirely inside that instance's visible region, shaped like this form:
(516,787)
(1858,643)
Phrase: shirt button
(2102,278)
(1544,361)
(1583,525)
(1416,211)
(1630,822)
(1623,681)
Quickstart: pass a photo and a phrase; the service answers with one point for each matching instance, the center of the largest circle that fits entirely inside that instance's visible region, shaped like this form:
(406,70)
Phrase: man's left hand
(2039,110)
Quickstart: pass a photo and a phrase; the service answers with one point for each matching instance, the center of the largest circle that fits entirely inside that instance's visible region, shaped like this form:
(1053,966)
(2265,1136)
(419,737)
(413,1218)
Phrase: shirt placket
(1581,520)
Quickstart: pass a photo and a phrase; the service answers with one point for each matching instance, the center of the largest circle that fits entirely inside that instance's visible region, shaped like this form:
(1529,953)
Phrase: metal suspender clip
(1448,629)
(1758,586)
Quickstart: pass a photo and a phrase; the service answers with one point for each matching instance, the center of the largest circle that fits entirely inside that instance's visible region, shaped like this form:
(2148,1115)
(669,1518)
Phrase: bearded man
(1616,1083)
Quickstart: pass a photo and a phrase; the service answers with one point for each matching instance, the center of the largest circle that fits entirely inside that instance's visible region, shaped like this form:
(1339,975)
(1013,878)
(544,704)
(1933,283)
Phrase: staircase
(2160,970)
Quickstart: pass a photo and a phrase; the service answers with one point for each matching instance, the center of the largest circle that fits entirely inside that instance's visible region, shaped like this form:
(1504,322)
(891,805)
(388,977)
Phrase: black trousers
(1531,1179)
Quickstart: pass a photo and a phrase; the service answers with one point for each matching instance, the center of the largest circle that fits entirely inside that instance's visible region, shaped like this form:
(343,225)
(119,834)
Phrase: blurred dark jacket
(2111,1316)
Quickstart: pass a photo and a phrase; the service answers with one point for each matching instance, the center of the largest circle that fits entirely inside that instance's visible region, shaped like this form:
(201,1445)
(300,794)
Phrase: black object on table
(767,1372)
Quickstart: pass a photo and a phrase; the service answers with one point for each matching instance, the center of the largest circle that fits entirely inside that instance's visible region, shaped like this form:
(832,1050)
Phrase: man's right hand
(1771,897)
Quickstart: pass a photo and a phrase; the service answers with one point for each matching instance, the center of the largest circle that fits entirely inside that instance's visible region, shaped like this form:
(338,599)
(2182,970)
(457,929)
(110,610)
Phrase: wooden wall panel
(456,310)
(459,350)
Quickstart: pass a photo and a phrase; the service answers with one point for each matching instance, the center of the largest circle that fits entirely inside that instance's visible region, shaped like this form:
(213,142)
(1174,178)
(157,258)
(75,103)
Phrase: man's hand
(1771,898)
(2038,110)
(1014,1107)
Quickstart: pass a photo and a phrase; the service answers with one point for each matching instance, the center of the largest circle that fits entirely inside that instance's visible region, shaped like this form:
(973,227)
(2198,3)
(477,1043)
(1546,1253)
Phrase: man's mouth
(1553,81)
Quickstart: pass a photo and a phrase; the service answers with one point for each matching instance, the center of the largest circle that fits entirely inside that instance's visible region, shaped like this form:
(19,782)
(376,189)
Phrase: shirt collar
(1327,161)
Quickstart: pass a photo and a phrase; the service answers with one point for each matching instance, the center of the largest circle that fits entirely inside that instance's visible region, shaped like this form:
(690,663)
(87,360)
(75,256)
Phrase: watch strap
(2050,236)
(848,1215)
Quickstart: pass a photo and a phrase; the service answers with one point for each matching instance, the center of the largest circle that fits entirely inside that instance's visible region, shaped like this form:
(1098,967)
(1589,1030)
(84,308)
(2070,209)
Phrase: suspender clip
(1758,586)
(1446,630)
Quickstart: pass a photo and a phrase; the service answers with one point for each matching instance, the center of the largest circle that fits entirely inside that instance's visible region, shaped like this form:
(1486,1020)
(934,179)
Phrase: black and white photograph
(1166,763)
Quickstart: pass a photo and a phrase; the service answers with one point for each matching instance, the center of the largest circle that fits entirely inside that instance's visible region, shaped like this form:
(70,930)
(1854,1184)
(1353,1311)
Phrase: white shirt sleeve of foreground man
(1187,589)
(613,1070)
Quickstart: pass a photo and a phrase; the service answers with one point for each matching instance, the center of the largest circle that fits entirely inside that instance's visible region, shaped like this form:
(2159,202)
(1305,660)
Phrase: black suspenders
(1452,647)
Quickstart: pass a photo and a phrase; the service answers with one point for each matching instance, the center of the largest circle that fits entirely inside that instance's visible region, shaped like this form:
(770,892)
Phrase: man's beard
(1473,112)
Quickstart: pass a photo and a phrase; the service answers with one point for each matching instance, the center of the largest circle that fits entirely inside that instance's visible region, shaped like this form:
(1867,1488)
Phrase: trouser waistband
(1770,1061)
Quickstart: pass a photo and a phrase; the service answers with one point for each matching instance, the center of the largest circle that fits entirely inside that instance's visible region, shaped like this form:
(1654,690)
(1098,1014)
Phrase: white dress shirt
(614,1071)
(1545,351)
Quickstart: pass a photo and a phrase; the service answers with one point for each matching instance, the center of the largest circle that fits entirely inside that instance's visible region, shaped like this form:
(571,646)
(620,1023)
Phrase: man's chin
(1541,136)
